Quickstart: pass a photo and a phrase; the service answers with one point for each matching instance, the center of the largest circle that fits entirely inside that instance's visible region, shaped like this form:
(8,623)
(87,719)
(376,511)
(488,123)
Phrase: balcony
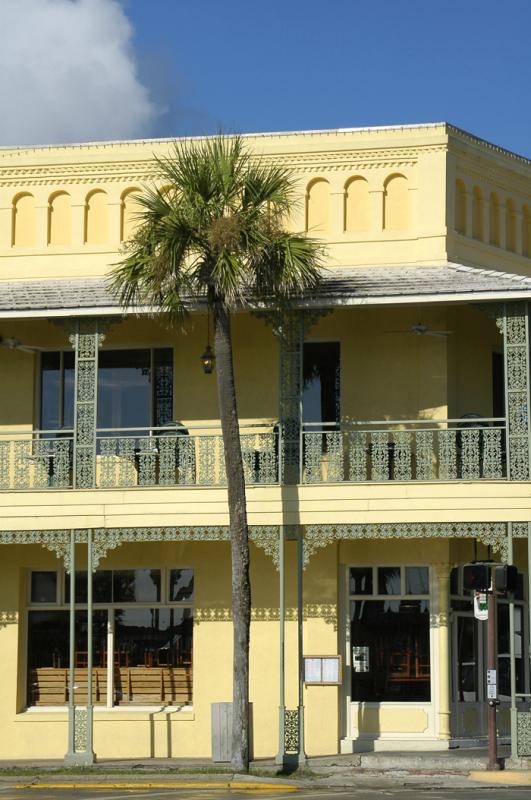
(358,452)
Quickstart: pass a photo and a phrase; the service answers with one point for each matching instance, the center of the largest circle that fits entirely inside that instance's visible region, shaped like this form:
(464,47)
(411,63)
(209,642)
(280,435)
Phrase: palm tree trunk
(241,586)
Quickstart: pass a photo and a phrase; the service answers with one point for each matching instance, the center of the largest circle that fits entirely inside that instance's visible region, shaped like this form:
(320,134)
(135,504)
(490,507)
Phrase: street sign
(492,692)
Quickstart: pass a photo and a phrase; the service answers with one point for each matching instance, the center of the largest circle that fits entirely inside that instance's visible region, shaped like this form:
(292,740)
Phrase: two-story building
(386,440)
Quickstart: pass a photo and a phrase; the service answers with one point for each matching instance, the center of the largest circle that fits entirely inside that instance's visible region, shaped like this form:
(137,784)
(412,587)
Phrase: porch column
(281,754)
(80,751)
(514,325)
(86,340)
(291,335)
(443,646)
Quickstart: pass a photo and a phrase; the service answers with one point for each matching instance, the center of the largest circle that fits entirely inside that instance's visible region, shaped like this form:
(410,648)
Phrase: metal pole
(510,560)
(282,649)
(493,763)
(302,753)
(72,644)
(529,600)
(90,655)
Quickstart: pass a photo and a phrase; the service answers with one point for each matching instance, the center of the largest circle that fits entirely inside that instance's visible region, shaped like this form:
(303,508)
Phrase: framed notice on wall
(322,670)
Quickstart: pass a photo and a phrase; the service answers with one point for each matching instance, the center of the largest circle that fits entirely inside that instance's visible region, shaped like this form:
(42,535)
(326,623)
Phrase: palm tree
(216,233)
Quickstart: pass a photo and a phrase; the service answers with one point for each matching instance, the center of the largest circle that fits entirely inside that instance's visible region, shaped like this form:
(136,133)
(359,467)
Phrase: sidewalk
(457,768)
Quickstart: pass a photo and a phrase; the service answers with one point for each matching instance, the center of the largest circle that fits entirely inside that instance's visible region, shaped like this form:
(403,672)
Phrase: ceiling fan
(422,330)
(10,343)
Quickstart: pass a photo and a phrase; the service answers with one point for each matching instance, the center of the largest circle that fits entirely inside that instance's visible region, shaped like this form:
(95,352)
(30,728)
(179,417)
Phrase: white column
(442,572)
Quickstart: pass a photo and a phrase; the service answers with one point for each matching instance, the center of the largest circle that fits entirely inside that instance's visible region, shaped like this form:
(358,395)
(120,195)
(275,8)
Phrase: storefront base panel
(368,744)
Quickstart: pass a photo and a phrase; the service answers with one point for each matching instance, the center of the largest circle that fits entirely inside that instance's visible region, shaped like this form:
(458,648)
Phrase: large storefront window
(142,637)
(390,634)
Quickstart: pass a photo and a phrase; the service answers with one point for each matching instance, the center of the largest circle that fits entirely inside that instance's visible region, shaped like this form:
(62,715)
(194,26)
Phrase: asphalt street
(473,792)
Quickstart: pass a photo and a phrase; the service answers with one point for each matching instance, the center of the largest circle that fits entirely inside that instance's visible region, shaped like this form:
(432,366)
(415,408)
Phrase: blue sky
(81,70)
(293,64)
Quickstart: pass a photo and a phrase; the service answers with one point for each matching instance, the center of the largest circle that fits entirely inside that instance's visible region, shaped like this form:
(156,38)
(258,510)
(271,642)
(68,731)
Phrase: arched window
(96,218)
(59,219)
(494,219)
(356,205)
(460,207)
(318,206)
(23,226)
(510,226)
(130,208)
(396,203)
(477,213)
(526,231)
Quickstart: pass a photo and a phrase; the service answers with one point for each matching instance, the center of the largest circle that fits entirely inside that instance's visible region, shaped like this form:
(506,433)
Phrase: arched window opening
(396,203)
(318,206)
(494,219)
(356,205)
(24,221)
(129,214)
(477,213)
(96,218)
(59,219)
(460,207)
(510,226)
(526,231)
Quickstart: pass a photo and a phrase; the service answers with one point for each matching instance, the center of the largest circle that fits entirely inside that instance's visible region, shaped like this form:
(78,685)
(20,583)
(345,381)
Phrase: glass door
(468,707)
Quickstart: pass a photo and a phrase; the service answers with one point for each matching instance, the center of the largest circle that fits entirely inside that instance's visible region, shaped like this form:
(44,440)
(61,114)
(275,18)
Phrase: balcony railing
(36,459)
(179,456)
(412,450)
(441,450)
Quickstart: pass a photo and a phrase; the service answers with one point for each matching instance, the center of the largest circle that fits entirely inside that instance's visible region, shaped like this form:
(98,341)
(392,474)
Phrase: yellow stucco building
(386,441)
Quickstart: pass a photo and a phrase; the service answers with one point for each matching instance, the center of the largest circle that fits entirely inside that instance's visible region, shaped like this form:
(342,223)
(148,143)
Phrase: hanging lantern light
(208,357)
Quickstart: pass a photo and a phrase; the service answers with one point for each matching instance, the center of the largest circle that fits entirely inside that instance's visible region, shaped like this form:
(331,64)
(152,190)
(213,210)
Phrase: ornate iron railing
(36,459)
(179,456)
(411,450)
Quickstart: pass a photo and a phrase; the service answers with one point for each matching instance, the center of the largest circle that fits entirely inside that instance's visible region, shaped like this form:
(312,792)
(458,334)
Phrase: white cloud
(67,73)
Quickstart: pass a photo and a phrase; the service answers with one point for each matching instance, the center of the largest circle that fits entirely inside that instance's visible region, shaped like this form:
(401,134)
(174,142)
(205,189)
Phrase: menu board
(322,670)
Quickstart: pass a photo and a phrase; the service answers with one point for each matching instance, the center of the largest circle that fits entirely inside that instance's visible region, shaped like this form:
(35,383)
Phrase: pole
(493,763)
(282,616)
(302,753)
(512,661)
(70,754)
(90,648)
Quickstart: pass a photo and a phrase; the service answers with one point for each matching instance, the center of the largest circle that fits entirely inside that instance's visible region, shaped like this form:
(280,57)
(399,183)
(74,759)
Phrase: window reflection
(391,650)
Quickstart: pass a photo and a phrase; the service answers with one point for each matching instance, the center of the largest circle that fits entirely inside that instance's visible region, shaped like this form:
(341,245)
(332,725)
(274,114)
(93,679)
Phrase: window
(321,383)
(390,634)
(135,389)
(143,617)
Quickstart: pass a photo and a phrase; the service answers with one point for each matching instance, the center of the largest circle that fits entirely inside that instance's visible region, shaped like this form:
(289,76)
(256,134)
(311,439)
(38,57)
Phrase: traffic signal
(476,577)
(506,578)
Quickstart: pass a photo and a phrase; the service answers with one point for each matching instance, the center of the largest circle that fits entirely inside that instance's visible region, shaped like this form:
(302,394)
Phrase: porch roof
(342,286)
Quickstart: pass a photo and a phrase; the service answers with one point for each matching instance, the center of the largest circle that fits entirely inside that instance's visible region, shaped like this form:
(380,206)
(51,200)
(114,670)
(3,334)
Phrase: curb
(236,783)
(509,777)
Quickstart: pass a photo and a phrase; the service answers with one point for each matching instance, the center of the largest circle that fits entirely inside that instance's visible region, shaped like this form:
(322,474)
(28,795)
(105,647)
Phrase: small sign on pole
(481,606)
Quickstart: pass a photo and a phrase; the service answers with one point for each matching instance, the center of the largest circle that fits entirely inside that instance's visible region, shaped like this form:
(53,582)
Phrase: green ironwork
(86,340)
(492,534)
(404,451)
(514,324)
(291,730)
(523,734)
(291,338)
